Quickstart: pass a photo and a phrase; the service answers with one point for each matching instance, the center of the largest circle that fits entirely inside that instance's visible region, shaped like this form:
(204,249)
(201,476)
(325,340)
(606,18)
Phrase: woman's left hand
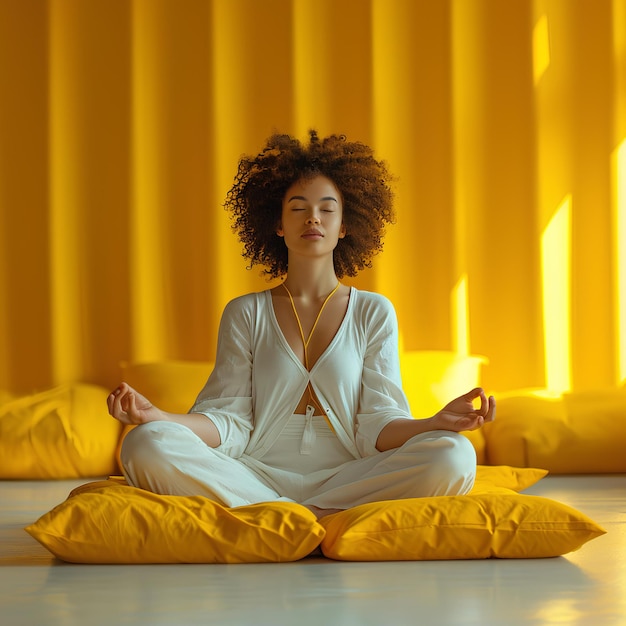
(462,414)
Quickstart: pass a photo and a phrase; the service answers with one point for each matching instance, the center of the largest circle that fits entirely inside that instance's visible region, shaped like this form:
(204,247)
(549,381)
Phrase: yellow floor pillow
(571,433)
(490,477)
(107,522)
(64,432)
(492,521)
(501,524)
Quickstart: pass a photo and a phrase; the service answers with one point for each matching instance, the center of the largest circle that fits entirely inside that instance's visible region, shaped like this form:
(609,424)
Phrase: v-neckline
(283,339)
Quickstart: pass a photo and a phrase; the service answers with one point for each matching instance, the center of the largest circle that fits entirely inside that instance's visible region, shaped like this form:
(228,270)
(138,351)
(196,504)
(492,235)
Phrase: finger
(491,413)
(484,404)
(478,393)
(474,393)
(120,402)
(111,402)
(132,403)
(473,422)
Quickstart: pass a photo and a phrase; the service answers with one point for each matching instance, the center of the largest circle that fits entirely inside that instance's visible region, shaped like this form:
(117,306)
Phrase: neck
(311,282)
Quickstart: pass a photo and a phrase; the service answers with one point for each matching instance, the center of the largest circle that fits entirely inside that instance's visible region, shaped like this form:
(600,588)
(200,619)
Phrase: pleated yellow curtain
(121,123)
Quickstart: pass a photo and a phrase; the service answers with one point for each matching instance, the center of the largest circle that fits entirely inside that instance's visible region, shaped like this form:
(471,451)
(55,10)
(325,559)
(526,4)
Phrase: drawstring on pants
(308,435)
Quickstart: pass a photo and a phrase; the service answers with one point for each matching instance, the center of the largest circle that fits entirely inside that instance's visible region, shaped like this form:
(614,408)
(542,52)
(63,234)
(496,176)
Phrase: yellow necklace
(305,342)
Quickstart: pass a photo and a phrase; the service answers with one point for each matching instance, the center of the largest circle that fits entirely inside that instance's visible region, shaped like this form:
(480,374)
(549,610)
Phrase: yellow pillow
(115,523)
(64,432)
(6,396)
(503,476)
(574,433)
(504,525)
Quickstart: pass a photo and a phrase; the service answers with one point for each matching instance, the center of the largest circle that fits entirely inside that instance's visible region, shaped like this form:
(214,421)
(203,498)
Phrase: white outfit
(268,453)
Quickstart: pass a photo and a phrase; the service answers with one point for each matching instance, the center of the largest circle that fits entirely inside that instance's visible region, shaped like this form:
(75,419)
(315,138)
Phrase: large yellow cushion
(65,432)
(114,523)
(573,433)
(492,521)
(489,478)
(503,524)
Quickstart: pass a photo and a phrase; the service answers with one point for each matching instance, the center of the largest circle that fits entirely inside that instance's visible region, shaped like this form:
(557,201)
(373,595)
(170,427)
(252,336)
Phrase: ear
(279,230)
(342,231)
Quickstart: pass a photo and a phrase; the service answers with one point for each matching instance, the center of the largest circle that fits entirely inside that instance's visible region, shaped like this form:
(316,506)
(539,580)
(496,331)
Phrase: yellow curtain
(121,123)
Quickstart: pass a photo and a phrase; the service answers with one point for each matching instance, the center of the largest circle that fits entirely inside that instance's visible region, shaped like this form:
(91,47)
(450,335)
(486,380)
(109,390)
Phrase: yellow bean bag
(64,432)
(571,433)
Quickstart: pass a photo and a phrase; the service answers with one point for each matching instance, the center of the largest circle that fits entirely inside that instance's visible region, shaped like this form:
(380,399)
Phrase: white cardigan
(258,381)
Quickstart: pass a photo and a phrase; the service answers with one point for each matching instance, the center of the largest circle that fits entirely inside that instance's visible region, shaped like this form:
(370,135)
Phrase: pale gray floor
(584,588)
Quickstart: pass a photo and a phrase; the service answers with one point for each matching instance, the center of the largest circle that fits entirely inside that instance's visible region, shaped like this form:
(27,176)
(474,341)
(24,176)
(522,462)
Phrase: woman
(305,402)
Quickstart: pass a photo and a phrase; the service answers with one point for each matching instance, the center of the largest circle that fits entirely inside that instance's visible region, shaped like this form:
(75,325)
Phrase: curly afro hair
(255,199)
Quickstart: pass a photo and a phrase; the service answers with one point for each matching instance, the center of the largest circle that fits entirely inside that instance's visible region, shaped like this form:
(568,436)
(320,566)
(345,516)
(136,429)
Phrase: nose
(313,218)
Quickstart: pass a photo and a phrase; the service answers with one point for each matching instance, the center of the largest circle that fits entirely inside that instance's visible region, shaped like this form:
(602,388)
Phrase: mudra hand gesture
(130,407)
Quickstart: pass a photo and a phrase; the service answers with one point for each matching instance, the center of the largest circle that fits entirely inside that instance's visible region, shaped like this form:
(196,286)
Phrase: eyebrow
(305,199)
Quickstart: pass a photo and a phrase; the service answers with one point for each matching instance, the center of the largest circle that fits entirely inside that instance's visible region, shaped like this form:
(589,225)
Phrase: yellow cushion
(574,433)
(503,476)
(503,524)
(115,523)
(64,432)
(6,396)
(431,378)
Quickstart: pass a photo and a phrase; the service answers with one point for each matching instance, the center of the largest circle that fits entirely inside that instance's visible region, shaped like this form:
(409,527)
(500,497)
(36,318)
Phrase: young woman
(305,402)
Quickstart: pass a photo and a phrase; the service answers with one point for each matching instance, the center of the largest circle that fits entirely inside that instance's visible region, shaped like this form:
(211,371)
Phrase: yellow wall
(121,123)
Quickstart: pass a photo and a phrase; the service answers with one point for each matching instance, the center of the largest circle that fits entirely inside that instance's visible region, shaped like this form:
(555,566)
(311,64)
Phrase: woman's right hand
(130,407)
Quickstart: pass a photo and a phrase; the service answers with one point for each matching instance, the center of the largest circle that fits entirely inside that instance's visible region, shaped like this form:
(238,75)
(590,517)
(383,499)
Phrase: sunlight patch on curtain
(541,48)
(556,273)
(619,201)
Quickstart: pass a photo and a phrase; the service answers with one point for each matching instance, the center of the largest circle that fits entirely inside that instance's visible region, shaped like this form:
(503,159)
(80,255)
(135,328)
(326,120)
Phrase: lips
(312,233)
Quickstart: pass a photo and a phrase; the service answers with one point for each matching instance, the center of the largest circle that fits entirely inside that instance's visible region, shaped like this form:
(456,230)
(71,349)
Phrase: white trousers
(168,458)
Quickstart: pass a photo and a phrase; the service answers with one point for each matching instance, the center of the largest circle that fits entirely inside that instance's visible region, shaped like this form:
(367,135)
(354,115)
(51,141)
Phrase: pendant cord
(305,342)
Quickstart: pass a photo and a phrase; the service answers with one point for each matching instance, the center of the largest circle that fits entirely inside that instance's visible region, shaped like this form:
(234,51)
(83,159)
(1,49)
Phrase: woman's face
(312,217)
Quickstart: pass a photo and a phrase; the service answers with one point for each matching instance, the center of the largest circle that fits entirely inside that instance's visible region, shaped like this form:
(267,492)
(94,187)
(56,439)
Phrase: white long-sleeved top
(258,381)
